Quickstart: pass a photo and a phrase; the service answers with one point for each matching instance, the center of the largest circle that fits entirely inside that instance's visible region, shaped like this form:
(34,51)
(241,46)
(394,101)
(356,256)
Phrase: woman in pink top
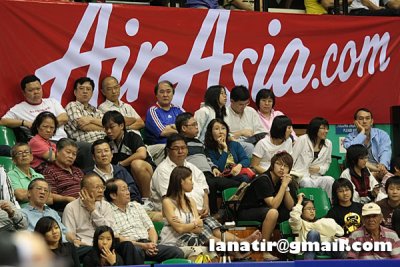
(43,150)
(265,101)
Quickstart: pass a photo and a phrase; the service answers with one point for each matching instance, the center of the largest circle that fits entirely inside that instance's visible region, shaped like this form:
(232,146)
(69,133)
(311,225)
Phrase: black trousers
(216,184)
(130,254)
(165,253)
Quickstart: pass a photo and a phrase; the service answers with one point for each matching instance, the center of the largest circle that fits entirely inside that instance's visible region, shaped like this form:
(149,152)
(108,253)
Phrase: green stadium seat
(177,261)
(7,136)
(232,206)
(7,163)
(158,226)
(321,200)
(335,169)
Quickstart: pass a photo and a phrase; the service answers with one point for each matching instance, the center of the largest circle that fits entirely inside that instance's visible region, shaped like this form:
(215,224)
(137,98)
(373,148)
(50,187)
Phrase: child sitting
(303,222)
(103,252)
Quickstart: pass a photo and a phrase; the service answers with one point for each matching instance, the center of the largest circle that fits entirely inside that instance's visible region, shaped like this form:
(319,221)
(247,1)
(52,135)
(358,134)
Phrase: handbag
(244,171)
(238,196)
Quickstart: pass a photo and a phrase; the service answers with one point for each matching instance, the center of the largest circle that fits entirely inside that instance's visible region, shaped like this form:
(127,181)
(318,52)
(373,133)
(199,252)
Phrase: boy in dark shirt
(270,197)
(345,211)
(390,205)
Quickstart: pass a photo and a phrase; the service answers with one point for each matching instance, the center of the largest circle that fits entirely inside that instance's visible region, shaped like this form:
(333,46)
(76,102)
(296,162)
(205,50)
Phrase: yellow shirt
(313,7)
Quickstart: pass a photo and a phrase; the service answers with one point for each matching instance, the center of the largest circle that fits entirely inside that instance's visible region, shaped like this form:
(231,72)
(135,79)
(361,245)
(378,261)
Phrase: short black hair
(29,79)
(97,143)
(113,116)
(172,139)
(362,109)
(182,119)
(39,120)
(340,183)
(392,180)
(395,163)
(167,82)
(63,142)
(279,126)
(240,93)
(111,188)
(354,153)
(265,94)
(82,80)
(34,181)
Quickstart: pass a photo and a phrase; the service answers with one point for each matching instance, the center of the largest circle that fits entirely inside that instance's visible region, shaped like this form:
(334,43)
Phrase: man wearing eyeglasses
(23,174)
(176,151)
(89,211)
(38,193)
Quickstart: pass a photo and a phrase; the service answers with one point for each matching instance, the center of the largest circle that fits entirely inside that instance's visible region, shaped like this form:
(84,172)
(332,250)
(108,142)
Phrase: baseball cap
(370,209)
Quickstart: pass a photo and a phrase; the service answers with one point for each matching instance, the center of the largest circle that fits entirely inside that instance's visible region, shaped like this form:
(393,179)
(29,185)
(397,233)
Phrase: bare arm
(153,237)
(371,6)
(168,210)
(46,156)
(62,118)
(14,123)
(275,202)
(255,163)
(134,123)
(89,124)
(61,198)
(168,130)
(21,195)
(242,5)
(141,153)
(243,132)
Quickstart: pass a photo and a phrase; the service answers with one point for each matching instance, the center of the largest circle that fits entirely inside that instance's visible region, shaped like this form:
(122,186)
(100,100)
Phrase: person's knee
(272,214)
(305,182)
(393,4)
(137,165)
(313,236)
(177,252)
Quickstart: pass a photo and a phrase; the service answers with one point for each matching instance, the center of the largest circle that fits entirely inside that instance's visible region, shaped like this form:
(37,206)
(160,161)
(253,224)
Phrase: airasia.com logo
(362,57)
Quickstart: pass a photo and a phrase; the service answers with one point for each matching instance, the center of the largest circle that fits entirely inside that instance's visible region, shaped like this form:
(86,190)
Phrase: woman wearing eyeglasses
(308,228)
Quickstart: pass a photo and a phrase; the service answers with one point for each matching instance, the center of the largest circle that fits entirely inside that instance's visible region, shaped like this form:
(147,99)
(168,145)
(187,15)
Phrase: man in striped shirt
(371,231)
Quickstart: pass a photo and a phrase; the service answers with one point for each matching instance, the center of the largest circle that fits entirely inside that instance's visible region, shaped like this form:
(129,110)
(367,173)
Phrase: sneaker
(148,205)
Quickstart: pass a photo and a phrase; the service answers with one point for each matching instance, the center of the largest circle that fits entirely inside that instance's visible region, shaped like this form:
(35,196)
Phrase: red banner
(317,65)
